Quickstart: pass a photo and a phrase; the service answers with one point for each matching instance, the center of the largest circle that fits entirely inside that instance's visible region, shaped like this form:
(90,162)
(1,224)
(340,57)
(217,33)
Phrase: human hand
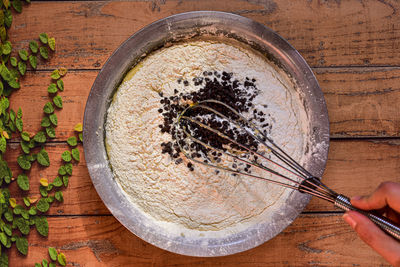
(385,200)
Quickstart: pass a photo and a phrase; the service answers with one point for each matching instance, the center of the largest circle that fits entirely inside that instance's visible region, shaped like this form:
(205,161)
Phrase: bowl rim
(112,74)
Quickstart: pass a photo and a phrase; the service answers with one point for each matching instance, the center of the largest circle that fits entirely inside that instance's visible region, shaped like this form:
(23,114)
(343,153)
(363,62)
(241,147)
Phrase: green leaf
(33,61)
(8,229)
(31,158)
(27,202)
(42,226)
(72,141)
(22,67)
(18,209)
(61,259)
(60,84)
(4,260)
(12,115)
(62,171)
(43,191)
(9,216)
(40,137)
(52,43)
(13,83)
(19,124)
(13,61)
(6,48)
(25,214)
(58,101)
(53,119)
(75,154)
(52,264)
(66,156)
(22,243)
(68,168)
(23,54)
(80,137)
(23,163)
(45,263)
(38,265)
(17,5)
(23,182)
(59,196)
(48,108)
(42,205)
(32,143)
(25,136)
(43,158)
(57,182)
(65,180)
(32,211)
(51,132)
(3,144)
(5,73)
(8,18)
(3,34)
(33,45)
(25,147)
(3,238)
(50,199)
(53,253)
(55,75)
(22,225)
(52,89)
(44,52)
(45,122)
(43,37)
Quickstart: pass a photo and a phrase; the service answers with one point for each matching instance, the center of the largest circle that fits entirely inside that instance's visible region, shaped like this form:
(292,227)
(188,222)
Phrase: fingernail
(350,220)
(356,198)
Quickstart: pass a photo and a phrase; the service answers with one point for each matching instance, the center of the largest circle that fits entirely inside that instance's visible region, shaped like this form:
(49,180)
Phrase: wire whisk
(223,139)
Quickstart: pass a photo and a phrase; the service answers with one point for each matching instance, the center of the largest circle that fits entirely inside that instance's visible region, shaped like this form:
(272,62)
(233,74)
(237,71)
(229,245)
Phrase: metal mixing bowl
(155,36)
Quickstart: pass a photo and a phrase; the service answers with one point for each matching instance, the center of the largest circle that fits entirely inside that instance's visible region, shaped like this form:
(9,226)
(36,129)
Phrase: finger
(371,234)
(387,194)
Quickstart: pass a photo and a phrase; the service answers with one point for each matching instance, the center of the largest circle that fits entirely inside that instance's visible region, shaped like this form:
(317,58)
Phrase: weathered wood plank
(361,102)
(327,33)
(354,167)
(312,240)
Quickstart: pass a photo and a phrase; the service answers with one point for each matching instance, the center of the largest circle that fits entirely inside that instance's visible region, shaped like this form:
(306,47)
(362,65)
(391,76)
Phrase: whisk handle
(385,224)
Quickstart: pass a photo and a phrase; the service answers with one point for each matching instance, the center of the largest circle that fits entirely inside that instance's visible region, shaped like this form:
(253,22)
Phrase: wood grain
(326,33)
(312,240)
(354,168)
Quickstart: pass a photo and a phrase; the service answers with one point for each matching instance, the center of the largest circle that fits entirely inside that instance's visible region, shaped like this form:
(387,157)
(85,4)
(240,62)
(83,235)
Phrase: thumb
(374,237)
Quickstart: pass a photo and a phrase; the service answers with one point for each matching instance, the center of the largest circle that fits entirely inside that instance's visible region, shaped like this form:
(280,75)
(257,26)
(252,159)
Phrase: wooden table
(353,48)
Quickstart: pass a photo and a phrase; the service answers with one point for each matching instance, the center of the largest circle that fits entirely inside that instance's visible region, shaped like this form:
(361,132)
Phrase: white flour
(199,202)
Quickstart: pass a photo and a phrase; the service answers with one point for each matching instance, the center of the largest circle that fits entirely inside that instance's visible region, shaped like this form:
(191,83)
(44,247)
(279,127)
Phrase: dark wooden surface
(353,48)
